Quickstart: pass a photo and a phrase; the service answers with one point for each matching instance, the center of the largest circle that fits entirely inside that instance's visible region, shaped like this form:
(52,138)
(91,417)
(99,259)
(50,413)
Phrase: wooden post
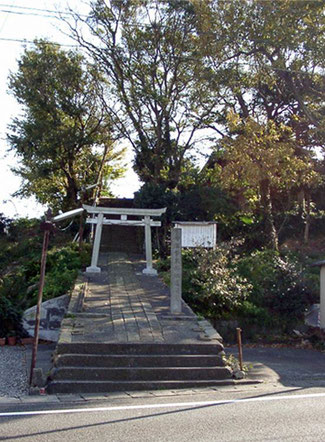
(240,348)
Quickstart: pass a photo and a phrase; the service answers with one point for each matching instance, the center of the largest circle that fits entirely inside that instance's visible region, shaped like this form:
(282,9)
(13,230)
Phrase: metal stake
(240,348)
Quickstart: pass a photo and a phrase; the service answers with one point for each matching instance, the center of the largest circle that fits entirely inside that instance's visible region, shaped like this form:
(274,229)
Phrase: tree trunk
(81,229)
(72,193)
(307,218)
(266,203)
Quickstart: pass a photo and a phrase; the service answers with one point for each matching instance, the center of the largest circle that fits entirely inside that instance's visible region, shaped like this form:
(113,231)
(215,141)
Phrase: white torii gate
(101,220)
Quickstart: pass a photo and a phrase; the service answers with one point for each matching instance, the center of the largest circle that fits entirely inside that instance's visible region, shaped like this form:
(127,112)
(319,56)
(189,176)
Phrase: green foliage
(211,283)
(259,152)
(255,319)
(259,161)
(264,291)
(278,284)
(10,318)
(272,73)
(62,267)
(275,65)
(175,69)
(20,269)
(195,202)
(155,196)
(63,139)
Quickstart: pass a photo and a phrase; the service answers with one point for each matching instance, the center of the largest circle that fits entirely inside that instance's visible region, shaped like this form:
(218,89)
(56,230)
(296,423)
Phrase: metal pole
(240,349)
(47,227)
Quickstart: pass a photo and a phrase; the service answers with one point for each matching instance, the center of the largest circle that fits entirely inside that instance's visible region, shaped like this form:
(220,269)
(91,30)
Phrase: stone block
(52,313)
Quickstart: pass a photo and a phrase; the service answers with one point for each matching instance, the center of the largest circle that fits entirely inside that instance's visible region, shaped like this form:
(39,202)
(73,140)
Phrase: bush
(211,282)
(10,318)
(20,259)
(278,284)
(257,321)
(250,314)
(19,284)
(62,267)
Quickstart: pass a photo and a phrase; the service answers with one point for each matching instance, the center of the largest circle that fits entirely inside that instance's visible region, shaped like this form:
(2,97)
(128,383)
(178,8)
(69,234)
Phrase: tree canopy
(267,62)
(63,138)
(145,50)
(166,77)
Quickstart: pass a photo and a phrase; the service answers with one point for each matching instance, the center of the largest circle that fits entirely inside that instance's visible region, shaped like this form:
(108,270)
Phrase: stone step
(141,374)
(65,387)
(140,348)
(96,360)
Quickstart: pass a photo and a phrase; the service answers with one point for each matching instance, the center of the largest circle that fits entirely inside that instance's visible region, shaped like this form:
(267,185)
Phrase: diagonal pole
(47,226)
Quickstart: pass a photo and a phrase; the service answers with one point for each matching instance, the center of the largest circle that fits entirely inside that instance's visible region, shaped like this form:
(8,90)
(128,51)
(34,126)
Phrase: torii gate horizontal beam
(124,211)
(120,222)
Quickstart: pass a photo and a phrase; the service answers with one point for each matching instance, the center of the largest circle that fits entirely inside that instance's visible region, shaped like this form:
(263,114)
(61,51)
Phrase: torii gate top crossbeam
(124,211)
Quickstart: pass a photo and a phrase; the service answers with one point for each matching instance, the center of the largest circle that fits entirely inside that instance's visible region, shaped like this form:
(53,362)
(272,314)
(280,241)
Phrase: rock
(38,378)
(34,391)
(306,344)
(239,374)
(312,317)
(204,337)
(52,313)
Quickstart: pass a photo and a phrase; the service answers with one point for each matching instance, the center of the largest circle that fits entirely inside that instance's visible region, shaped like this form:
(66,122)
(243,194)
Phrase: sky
(23,20)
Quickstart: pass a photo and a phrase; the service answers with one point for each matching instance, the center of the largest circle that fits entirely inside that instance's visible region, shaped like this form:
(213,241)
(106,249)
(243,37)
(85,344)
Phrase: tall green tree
(272,57)
(272,72)
(259,160)
(145,50)
(63,139)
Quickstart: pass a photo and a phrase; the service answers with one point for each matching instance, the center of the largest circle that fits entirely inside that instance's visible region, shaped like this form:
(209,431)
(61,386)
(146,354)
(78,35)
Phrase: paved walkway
(123,305)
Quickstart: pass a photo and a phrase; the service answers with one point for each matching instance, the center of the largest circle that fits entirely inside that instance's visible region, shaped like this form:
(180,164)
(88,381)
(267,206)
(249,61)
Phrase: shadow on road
(290,367)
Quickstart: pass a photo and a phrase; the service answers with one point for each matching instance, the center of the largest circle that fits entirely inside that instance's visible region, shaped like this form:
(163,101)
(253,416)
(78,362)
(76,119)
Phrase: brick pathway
(123,305)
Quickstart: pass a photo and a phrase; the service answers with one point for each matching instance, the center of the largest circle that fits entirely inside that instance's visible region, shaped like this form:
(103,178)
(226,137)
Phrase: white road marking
(170,405)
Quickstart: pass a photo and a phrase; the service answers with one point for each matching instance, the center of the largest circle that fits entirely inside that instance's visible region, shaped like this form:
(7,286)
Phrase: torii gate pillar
(98,236)
(149,270)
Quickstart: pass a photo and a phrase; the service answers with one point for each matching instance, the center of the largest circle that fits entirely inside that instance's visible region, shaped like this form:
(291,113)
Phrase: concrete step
(96,360)
(104,367)
(65,387)
(140,348)
(141,374)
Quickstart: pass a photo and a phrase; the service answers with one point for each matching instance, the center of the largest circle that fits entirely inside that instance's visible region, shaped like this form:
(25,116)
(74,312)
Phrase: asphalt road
(289,367)
(288,406)
(226,415)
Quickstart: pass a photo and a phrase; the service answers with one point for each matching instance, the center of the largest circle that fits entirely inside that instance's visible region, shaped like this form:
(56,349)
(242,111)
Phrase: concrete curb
(93,397)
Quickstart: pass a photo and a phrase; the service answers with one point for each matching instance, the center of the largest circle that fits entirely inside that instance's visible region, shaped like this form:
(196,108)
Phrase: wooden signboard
(198,234)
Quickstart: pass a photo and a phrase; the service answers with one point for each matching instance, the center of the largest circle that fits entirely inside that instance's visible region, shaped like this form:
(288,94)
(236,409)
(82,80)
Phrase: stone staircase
(107,367)
(118,336)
